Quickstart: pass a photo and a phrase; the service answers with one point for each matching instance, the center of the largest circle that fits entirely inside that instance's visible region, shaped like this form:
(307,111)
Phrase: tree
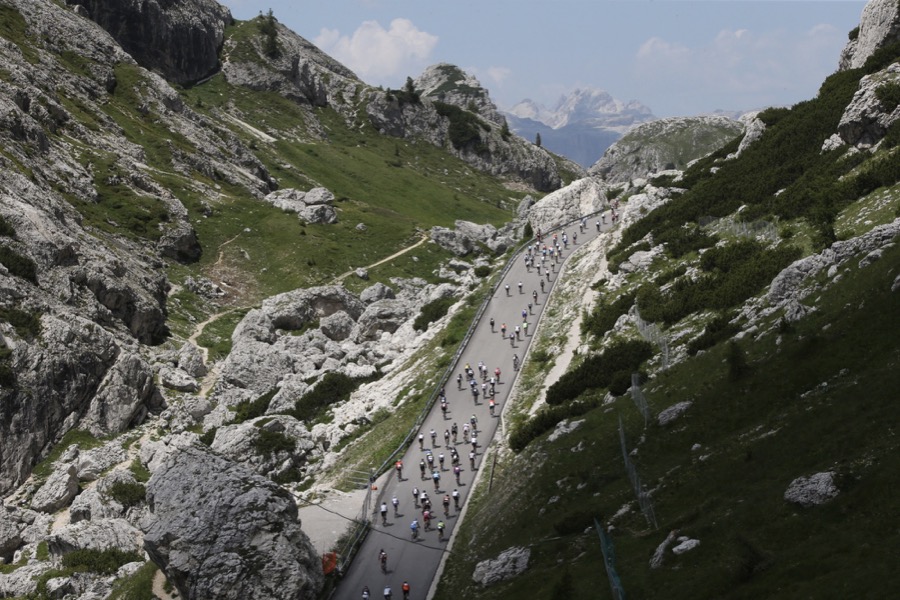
(270,34)
(504,130)
(537,140)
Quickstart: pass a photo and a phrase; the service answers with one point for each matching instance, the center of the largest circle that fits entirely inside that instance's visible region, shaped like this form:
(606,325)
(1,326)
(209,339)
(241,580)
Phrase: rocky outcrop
(879,26)
(251,444)
(866,119)
(664,145)
(218,530)
(508,564)
(96,535)
(792,284)
(489,148)
(314,206)
(581,197)
(57,491)
(450,84)
(298,71)
(813,490)
(10,532)
(181,40)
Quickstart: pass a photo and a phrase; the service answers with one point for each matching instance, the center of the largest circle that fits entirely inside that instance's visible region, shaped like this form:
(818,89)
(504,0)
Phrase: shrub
(6,230)
(715,331)
(105,562)
(209,436)
(545,420)
(332,388)
(269,31)
(482,271)
(607,370)
(465,127)
(431,312)
(737,362)
(269,443)
(128,494)
(252,409)
(889,95)
(604,315)
(18,265)
(27,324)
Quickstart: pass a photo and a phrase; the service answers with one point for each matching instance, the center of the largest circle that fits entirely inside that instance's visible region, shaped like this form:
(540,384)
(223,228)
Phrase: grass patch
(85,441)
(216,336)
(105,562)
(127,494)
(141,473)
(138,586)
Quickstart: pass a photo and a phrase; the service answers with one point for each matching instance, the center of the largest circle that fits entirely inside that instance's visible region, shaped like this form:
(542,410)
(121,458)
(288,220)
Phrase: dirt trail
(424,239)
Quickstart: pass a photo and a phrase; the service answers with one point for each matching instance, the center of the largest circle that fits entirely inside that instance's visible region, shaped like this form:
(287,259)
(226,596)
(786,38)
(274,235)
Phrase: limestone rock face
(375,292)
(123,397)
(664,145)
(57,491)
(879,26)
(243,443)
(96,535)
(865,120)
(450,84)
(218,530)
(10,532)
(181,40)
(580,197)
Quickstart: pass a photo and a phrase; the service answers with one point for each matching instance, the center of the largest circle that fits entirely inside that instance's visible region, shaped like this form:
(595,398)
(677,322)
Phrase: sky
(678,57)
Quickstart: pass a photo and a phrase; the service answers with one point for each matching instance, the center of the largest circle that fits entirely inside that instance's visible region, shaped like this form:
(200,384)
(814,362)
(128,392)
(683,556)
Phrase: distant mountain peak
(595,107)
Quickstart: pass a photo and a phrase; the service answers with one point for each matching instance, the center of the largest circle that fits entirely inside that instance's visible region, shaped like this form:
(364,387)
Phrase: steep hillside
(723,428)
(663,145)
(208,226)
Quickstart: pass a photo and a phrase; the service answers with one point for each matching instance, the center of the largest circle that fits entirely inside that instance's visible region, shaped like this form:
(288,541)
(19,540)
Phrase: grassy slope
(756,435)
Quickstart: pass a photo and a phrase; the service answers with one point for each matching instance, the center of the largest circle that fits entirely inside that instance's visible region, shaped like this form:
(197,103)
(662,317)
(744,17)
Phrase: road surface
(417,561)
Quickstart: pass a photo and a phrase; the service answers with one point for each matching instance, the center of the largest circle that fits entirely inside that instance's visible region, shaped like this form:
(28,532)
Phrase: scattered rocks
(314,206)
(659,555)
(564,428)
(685,545)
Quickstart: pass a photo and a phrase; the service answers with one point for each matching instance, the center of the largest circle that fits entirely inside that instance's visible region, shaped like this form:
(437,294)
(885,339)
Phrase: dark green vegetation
(18,264)
(788,401)
(816,396)
(127,494)
(138,586)
(105,562)
(433,311)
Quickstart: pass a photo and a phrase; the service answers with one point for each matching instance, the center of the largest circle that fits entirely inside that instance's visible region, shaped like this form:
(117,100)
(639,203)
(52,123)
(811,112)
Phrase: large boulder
(865,120)
(579,198)
(57,491)
(10,532)
(813,490)
(508,564)
(218,530)
(271,445)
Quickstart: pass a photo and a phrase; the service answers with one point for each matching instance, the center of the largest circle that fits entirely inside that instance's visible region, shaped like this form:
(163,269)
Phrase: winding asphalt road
(417,561)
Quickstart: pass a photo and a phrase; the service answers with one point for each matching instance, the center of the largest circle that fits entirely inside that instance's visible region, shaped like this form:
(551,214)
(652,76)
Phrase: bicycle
(382,557)
(414,528)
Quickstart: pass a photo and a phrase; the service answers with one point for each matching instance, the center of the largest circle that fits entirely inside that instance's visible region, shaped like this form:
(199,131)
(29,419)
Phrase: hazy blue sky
(677,57)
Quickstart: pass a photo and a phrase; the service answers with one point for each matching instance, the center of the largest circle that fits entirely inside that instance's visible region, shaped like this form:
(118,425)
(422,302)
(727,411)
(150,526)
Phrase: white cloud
(375,53)
(738,68)
(498,74)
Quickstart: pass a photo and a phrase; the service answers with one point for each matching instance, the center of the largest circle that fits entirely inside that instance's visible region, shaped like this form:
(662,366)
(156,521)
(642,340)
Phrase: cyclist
(447,438)
(542,285)
(426,518)
(383,513)
(534,295)
(503,329)
(459,381)
(414,528)
(446,503)
(415,493)
(515,362)
(497,374)
(382,558)
(441,460)
(366,592)
(520,287)
(507,289)
(421,441)
(472,460)
(525,314)
(456,499)
(525,328)
(457,471)
(399,467)
(422,467)
(440,528)
(405,589)
(492,324)
(433,434)
(454,429)
(491,406)
(387,593)
(474,421)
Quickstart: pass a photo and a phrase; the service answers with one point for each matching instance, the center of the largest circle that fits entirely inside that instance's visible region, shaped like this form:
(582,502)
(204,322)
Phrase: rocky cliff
(879,26)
